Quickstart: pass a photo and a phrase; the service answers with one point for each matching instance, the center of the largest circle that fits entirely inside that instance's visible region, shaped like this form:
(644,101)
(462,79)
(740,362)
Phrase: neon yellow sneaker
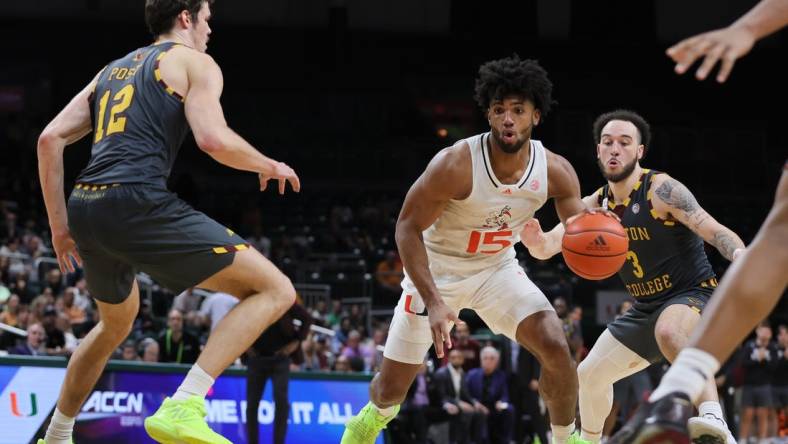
(182,422)
(364,427)
(575,438)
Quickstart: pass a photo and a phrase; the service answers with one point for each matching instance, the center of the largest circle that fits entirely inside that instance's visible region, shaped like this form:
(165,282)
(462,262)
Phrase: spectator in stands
(269,358)
(20,286)
(352,348)
(357,318)
(489,387)
(323,352)
(319,312)
(312,360)
(342,364)
(175,344)
(260,241)
(528,372)
(11,250)
(372,350)
(34,345)
(129,351)
(342,331)
(469,347)
(389,274)
(415,410)
(780,382)
(452,390)
(67,305)
(71,341)
(81,295)
(10,313)
(188,303)
(146,325)
(54,280)
(336,315)
(215,307)
(150,350)
(55,338)
(759,360)
(571,329)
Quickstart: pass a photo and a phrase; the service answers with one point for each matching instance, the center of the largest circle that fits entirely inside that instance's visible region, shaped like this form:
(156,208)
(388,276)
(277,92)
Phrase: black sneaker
(660,422)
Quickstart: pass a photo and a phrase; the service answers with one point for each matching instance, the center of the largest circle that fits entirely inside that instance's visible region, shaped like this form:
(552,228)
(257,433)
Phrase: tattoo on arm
(677,196)
(725,243)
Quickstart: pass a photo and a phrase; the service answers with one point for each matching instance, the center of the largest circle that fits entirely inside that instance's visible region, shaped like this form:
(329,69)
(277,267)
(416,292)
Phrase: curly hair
(644,130)
(160,14)
(513,76)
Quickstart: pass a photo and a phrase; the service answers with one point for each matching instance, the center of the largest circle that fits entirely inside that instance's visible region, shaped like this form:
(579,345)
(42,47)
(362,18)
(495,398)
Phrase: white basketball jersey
(481,230)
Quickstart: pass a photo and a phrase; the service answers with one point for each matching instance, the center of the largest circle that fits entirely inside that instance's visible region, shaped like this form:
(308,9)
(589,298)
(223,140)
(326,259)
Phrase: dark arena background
(357,96)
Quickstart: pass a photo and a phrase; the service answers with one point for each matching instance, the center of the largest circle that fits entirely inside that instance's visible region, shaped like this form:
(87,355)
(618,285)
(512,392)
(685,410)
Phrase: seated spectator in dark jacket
(34,346)
(175,344)
(55,338)
(490,389)
(465,422)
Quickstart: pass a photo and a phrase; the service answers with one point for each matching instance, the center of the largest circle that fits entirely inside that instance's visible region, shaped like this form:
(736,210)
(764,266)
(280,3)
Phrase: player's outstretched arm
(70,125)
(206,119)
(728,44)
(671,196)
(445,178)
(543,245)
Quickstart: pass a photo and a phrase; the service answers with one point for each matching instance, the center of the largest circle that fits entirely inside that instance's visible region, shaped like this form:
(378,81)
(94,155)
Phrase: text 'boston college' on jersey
(481,230)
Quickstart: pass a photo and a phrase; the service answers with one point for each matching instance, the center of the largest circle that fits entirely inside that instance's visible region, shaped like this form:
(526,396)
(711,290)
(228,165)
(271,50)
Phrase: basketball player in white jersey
(456,234)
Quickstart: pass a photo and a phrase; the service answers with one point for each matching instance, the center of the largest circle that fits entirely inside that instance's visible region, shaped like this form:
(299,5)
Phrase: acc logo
(534,185)
(636,208)
(15,405)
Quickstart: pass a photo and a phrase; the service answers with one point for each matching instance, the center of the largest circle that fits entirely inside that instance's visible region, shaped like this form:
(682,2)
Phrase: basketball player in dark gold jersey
(666,271)
(120,217)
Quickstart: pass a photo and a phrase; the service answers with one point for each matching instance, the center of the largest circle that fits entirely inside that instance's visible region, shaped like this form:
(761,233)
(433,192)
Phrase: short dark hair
(644,130)
(160,14)
(512,76)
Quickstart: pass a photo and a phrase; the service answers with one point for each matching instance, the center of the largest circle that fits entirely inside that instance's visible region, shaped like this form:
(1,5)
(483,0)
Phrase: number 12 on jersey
(116,124)
(488,242)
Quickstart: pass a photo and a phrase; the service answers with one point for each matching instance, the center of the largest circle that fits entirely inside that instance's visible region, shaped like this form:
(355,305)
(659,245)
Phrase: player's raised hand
(441,316)
(722,45)
(66,251)
(281,172)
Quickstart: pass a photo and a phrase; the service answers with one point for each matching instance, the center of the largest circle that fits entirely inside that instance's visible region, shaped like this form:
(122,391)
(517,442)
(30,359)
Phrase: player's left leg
(511,304)
(673,330)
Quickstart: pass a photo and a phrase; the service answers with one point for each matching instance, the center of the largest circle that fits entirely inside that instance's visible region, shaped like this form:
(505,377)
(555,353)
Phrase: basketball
(595,246)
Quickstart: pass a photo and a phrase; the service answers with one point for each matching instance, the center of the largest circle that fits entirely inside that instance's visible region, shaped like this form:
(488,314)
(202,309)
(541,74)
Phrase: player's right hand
(725,45)
(65,250)
(283,173)
(441,316)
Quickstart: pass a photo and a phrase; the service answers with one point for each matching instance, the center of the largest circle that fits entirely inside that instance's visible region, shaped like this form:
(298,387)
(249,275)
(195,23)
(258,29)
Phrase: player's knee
(670,339)
(585,374)
(553,352)
(285,293)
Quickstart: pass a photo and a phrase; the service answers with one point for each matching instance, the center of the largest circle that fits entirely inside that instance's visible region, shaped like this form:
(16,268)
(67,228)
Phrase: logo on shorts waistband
(409,306)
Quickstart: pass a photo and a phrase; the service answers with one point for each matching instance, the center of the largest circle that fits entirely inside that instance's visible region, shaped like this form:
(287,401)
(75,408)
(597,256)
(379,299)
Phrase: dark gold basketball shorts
(635,328)
(123,229)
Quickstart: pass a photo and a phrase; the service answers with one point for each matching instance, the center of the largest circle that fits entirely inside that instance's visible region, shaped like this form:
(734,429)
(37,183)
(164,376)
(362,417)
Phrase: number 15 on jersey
(489,242)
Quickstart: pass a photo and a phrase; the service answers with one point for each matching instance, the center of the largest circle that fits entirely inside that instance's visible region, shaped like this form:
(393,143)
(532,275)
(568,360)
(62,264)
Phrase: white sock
(60,429)
(688,374)
(712,408)
(562,433)
(592,437)
(388,411)
(196,383)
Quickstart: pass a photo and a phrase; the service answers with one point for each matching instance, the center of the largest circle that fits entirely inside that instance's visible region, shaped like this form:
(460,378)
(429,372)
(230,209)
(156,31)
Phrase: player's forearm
(228,148)
(765,18)
(726,242)
(414,258)
(50,173)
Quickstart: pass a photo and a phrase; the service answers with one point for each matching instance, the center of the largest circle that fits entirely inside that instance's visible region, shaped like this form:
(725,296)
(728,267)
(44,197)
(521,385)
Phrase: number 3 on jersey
(116,124)
(488,240)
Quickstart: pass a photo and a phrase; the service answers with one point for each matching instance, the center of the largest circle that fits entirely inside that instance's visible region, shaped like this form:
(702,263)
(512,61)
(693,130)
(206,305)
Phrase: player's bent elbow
(46,141)
(208,142)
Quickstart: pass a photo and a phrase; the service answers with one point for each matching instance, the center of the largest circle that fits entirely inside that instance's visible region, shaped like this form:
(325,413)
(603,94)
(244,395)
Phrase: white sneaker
(709,429)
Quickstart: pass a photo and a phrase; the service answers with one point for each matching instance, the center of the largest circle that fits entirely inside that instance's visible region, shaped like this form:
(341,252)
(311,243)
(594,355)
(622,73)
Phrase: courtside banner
(124,396)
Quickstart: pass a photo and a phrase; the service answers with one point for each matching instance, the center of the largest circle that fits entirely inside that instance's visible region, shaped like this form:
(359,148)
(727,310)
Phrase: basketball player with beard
(666,271)
(456,232)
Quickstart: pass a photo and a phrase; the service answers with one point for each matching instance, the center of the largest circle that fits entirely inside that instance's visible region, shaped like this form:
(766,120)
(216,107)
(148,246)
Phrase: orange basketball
(595,246)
